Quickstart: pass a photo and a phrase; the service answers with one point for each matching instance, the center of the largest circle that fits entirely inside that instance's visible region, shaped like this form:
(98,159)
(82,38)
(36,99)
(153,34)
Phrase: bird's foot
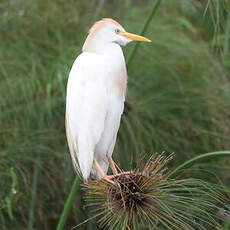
(113,166)
(119,174)
(107,178)
(115,170)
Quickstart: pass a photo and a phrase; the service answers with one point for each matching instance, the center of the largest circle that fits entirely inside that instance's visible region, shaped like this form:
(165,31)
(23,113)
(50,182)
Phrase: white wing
(85,109)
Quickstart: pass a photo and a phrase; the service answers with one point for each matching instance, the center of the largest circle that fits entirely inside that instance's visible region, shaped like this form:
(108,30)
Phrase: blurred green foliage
(178,98)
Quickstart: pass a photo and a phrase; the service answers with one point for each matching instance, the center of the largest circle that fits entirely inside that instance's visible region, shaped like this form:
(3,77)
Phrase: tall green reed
(143,31)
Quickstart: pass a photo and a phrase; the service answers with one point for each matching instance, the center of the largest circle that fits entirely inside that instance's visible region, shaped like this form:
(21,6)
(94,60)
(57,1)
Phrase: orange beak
(136,37)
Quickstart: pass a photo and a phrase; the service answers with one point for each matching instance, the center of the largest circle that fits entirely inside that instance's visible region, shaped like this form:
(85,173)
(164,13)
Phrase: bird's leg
(97,166)
(100,170)
(85,181)
(112,166)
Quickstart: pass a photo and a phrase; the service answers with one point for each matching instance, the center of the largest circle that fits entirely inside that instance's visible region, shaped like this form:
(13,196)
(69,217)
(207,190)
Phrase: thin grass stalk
(203,157)
(2,220)
(36,174)
(98,10)
(227,33)
(144,29)
(68,204)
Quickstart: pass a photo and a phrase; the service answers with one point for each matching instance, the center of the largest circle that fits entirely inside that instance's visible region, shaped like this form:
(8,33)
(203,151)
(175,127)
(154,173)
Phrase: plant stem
(68,204)
(98,10)
(227,33)
(144,29)
(206,156)
(36,175)
(2,219)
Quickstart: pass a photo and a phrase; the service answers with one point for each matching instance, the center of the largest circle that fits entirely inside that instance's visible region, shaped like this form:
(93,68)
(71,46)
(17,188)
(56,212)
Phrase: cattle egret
(95,98)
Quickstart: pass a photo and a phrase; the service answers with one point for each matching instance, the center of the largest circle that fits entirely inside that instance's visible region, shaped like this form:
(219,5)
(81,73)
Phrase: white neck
(114,54)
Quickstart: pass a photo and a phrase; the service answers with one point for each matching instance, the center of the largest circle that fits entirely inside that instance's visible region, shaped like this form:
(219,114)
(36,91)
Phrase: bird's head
(108,31)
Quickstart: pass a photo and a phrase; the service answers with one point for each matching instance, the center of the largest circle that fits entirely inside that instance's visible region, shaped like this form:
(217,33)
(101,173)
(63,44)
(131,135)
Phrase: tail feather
(72,147)
(82,158)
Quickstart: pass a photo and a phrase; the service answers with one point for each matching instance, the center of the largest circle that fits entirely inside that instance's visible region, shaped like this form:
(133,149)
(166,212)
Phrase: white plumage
(95,97)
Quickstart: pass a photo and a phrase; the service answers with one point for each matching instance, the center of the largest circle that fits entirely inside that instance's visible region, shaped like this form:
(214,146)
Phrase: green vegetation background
(178,98)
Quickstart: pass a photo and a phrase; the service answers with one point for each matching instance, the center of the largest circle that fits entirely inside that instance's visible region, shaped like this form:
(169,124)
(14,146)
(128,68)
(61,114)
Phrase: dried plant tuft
(145,197)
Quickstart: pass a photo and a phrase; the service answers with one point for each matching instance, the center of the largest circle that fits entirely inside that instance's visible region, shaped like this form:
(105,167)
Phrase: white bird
(95,98)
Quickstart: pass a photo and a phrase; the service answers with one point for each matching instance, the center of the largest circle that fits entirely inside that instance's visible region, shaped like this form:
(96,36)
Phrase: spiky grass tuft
(145,197)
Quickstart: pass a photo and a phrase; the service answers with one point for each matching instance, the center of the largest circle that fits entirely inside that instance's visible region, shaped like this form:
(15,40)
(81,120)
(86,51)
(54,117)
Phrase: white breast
(94,104)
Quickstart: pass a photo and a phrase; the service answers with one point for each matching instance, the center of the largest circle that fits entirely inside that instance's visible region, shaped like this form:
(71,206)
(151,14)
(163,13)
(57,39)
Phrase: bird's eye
(117,31)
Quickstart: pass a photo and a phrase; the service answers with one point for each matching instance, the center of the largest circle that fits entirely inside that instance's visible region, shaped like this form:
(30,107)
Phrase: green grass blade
(68,203)
(148,20)
(227,34)
(36,175)
(206,156)
(99,8)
